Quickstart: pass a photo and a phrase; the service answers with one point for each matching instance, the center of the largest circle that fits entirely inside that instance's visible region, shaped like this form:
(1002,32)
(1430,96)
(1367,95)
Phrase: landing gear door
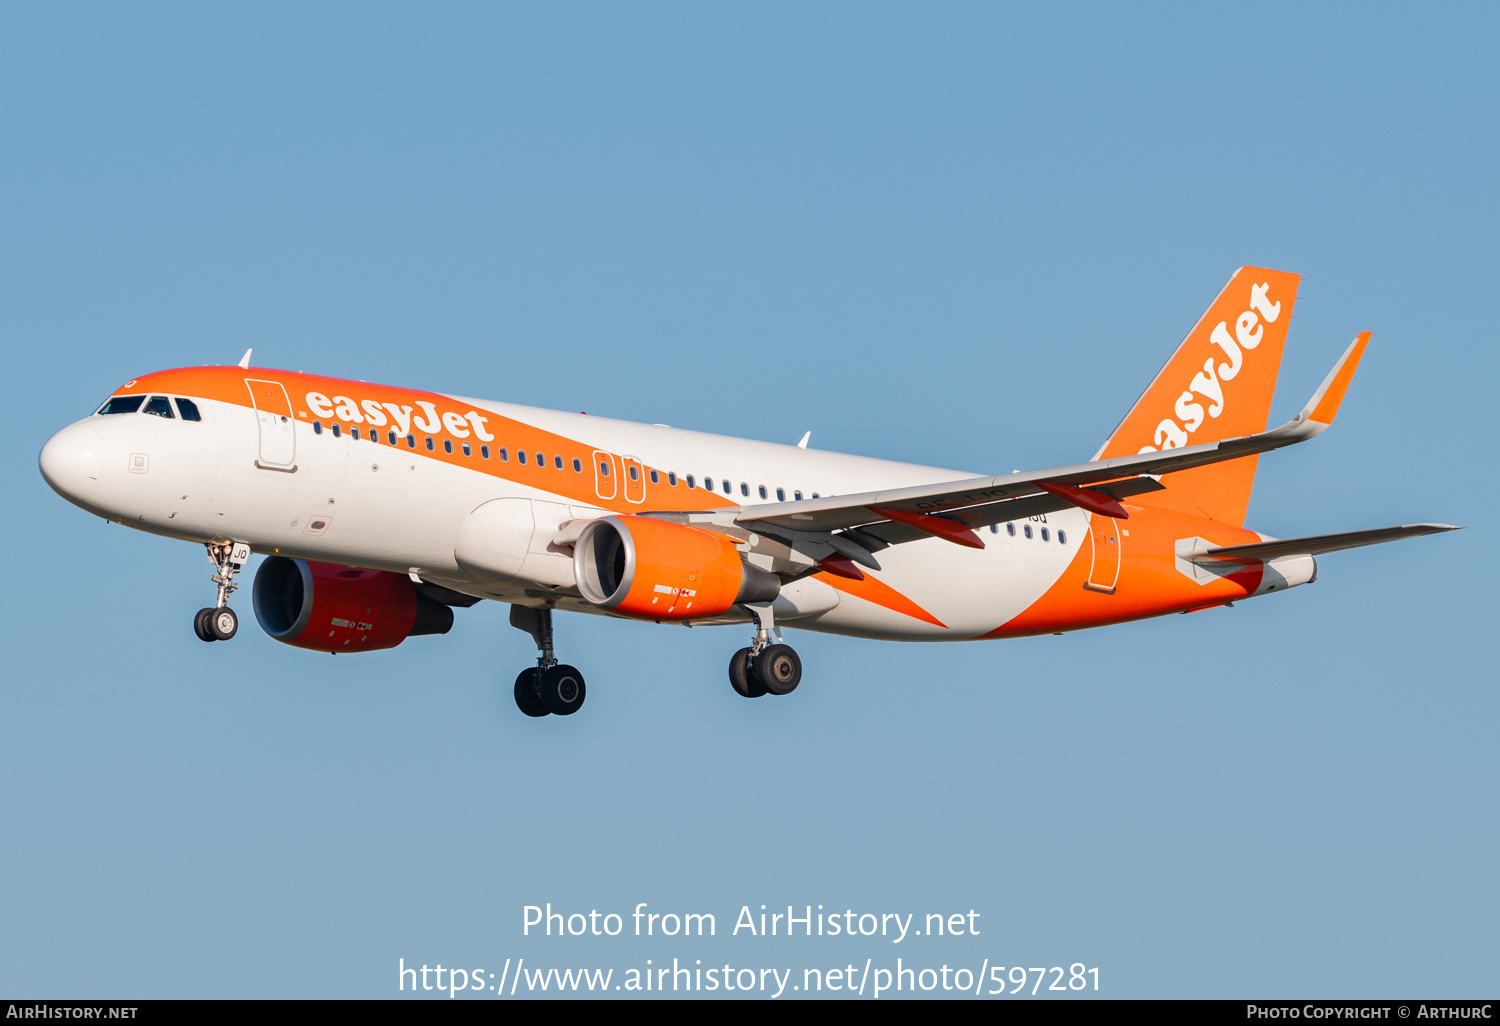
(273,411)
(1106,536)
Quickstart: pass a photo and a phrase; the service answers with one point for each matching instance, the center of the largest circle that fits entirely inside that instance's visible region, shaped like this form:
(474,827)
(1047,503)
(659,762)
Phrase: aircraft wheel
(563,690)
(200,625)
(527,700)
(222,623)
(779,669)
(742,676)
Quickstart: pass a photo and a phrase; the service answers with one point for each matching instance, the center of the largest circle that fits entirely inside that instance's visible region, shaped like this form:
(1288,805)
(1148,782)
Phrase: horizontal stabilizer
(1320,543)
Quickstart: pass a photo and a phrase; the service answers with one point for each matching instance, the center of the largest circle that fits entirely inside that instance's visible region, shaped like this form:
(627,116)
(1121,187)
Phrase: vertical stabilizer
(1218,384)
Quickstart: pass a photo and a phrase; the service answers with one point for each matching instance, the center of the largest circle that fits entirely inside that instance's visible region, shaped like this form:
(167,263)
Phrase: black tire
(779,669)
(222,623)
(527,699)
(563,690)
(200,625)
(742,676)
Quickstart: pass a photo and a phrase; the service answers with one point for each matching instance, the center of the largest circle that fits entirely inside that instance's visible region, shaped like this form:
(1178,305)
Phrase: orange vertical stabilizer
(1218,384)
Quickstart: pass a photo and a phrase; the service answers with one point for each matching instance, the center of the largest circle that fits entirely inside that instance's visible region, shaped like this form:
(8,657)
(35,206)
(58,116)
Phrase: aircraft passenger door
(635,479)
(1106,536)
(273,411)
(606,475)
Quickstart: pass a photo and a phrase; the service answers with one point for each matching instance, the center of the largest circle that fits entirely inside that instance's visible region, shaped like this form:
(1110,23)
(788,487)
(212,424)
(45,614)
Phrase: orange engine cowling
(332,608)
(656,570)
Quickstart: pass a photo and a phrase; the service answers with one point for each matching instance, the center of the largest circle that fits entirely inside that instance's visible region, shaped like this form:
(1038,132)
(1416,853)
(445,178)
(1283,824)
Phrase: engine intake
(656,570)
(331,608)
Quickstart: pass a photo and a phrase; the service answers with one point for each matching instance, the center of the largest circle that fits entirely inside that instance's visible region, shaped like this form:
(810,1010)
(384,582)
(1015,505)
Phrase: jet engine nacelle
(331,608)
(656,570)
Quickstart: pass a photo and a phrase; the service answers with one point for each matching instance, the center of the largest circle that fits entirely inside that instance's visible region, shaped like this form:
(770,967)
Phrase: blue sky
(959,234)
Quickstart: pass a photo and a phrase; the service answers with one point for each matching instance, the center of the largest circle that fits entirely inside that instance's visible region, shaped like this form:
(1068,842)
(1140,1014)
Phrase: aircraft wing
(1320,543)
(898,515)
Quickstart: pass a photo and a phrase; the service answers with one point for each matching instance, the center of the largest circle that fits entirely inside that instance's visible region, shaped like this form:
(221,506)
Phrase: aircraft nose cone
(72,461)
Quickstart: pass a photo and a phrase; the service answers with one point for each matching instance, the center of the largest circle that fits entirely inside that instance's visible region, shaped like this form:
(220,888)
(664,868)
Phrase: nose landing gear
(764,668)
(219,622)
(550,686)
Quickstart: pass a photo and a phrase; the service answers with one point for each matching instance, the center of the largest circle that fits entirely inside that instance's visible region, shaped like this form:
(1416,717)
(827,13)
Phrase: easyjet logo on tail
(1208,384)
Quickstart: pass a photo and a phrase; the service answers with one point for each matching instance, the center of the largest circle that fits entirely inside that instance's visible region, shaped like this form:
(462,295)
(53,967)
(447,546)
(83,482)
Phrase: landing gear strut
(550,686)
(764,668)
(219,622)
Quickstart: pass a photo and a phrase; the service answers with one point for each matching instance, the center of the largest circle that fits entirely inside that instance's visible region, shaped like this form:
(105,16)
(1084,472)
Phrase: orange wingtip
(1332,392)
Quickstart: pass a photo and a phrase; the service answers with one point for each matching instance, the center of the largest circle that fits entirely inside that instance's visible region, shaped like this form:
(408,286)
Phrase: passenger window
(188,409)
(603,468)
(429,443)
(503,453)
(557,462)
(338,431)
(448,446)
(1062,537)
(375,436)
(780,495)
(815,495)
(1045,535)
(994,529)
(728,490)
(484,452)
(1027,529)
(541,460)
(520,455)
(797,496)
(122,404)
(1010,529)
(577,465)
(689,480)
(411,441)
(635,473)
(744,489)
(655,477)
(672,478)
(159,406)
(354,433)
(391,437)
(468,450)
(317,427)
(763,491)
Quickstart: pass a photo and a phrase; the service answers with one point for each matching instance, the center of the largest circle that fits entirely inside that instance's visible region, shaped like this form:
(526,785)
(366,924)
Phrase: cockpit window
(122,404)
(188,409)
(159,406)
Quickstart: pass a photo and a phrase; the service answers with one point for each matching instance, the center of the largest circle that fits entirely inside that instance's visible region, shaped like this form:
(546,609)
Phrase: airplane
(379,509)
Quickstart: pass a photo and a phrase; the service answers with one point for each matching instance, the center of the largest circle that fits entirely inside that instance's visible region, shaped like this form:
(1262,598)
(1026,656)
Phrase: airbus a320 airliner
(379,509)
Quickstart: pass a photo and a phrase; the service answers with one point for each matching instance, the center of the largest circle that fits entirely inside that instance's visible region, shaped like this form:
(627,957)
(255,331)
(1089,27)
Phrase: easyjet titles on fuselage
(403,418)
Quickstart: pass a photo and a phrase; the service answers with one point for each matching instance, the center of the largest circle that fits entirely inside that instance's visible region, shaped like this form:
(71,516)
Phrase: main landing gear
(219,622)
(550,686)
(764,668)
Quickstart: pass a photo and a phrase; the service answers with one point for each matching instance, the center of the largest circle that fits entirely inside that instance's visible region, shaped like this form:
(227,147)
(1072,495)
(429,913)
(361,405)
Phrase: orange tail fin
(1217,385)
